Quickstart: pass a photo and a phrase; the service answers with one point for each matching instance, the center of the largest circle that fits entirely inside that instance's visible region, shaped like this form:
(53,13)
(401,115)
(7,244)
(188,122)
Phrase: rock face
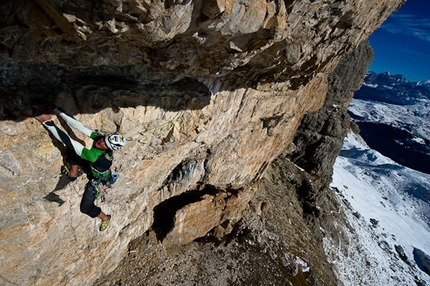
(319,138)
(290,214)
(207,93)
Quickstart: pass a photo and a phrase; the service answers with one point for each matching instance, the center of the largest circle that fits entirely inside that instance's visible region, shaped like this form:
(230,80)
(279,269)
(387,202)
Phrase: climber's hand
(43,117)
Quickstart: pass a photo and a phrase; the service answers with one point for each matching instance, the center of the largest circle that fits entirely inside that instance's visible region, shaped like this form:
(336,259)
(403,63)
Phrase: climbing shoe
(66,171)
(105,224)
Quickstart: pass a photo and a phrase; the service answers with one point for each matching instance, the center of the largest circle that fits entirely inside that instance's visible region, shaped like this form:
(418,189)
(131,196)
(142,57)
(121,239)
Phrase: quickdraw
(99,190)
(100,186)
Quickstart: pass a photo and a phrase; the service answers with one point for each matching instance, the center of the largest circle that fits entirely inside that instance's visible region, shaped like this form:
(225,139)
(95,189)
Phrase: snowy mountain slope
(401,132)
(394,118)
(413,118)
(388,211)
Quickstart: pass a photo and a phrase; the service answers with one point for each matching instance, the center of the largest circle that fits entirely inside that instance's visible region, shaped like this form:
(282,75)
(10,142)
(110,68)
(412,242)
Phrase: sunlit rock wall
(207,93)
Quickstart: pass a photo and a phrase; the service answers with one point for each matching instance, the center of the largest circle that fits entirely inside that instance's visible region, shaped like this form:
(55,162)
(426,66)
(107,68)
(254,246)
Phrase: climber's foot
(105,224)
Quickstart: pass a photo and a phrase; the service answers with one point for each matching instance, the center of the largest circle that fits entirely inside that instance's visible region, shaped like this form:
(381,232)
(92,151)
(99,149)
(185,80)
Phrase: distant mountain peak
(385,78)
(394,89)
(424,83)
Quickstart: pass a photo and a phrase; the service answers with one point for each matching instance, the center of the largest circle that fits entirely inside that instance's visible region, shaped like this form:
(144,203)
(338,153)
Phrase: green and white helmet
(115,141)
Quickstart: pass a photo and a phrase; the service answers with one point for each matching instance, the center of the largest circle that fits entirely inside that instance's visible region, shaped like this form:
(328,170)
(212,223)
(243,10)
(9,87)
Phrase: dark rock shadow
(64,179)
(397,144)
(164,213)
(96,88)
(61,184)
(53,197)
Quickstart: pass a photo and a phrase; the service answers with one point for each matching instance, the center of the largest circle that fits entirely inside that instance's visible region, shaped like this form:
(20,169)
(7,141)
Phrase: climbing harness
(100,175)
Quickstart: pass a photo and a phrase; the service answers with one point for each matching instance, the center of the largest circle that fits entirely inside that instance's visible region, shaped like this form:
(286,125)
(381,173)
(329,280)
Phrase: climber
(96,162)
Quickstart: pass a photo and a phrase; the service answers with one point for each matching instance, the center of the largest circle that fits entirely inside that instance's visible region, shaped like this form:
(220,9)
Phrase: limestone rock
(190,223)
(207,93)
(320,136)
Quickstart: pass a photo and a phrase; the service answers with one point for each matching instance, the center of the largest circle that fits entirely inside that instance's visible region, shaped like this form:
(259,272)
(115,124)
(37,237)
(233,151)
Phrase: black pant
(88,198)
(87,203)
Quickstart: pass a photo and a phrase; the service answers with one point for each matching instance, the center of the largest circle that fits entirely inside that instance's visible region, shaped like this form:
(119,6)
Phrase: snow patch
(419,140)
(374,85)
(388,208)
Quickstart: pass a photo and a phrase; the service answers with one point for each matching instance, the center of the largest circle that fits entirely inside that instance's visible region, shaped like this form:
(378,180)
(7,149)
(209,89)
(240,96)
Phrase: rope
(181,127)
(94,231)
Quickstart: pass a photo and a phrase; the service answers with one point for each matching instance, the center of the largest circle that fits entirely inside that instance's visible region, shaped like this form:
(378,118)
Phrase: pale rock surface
(207,93)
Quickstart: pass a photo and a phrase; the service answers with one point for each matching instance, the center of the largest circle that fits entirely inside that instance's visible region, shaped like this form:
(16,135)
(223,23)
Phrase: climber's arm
(73,122)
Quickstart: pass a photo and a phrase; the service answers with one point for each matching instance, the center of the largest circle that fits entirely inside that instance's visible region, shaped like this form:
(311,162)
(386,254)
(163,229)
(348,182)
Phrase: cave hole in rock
(164,213)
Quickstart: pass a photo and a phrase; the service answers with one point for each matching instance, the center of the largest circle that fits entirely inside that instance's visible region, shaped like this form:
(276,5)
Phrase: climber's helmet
(115,141)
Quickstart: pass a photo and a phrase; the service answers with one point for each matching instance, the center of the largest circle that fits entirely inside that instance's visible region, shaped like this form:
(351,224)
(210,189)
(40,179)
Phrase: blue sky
(402,43)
